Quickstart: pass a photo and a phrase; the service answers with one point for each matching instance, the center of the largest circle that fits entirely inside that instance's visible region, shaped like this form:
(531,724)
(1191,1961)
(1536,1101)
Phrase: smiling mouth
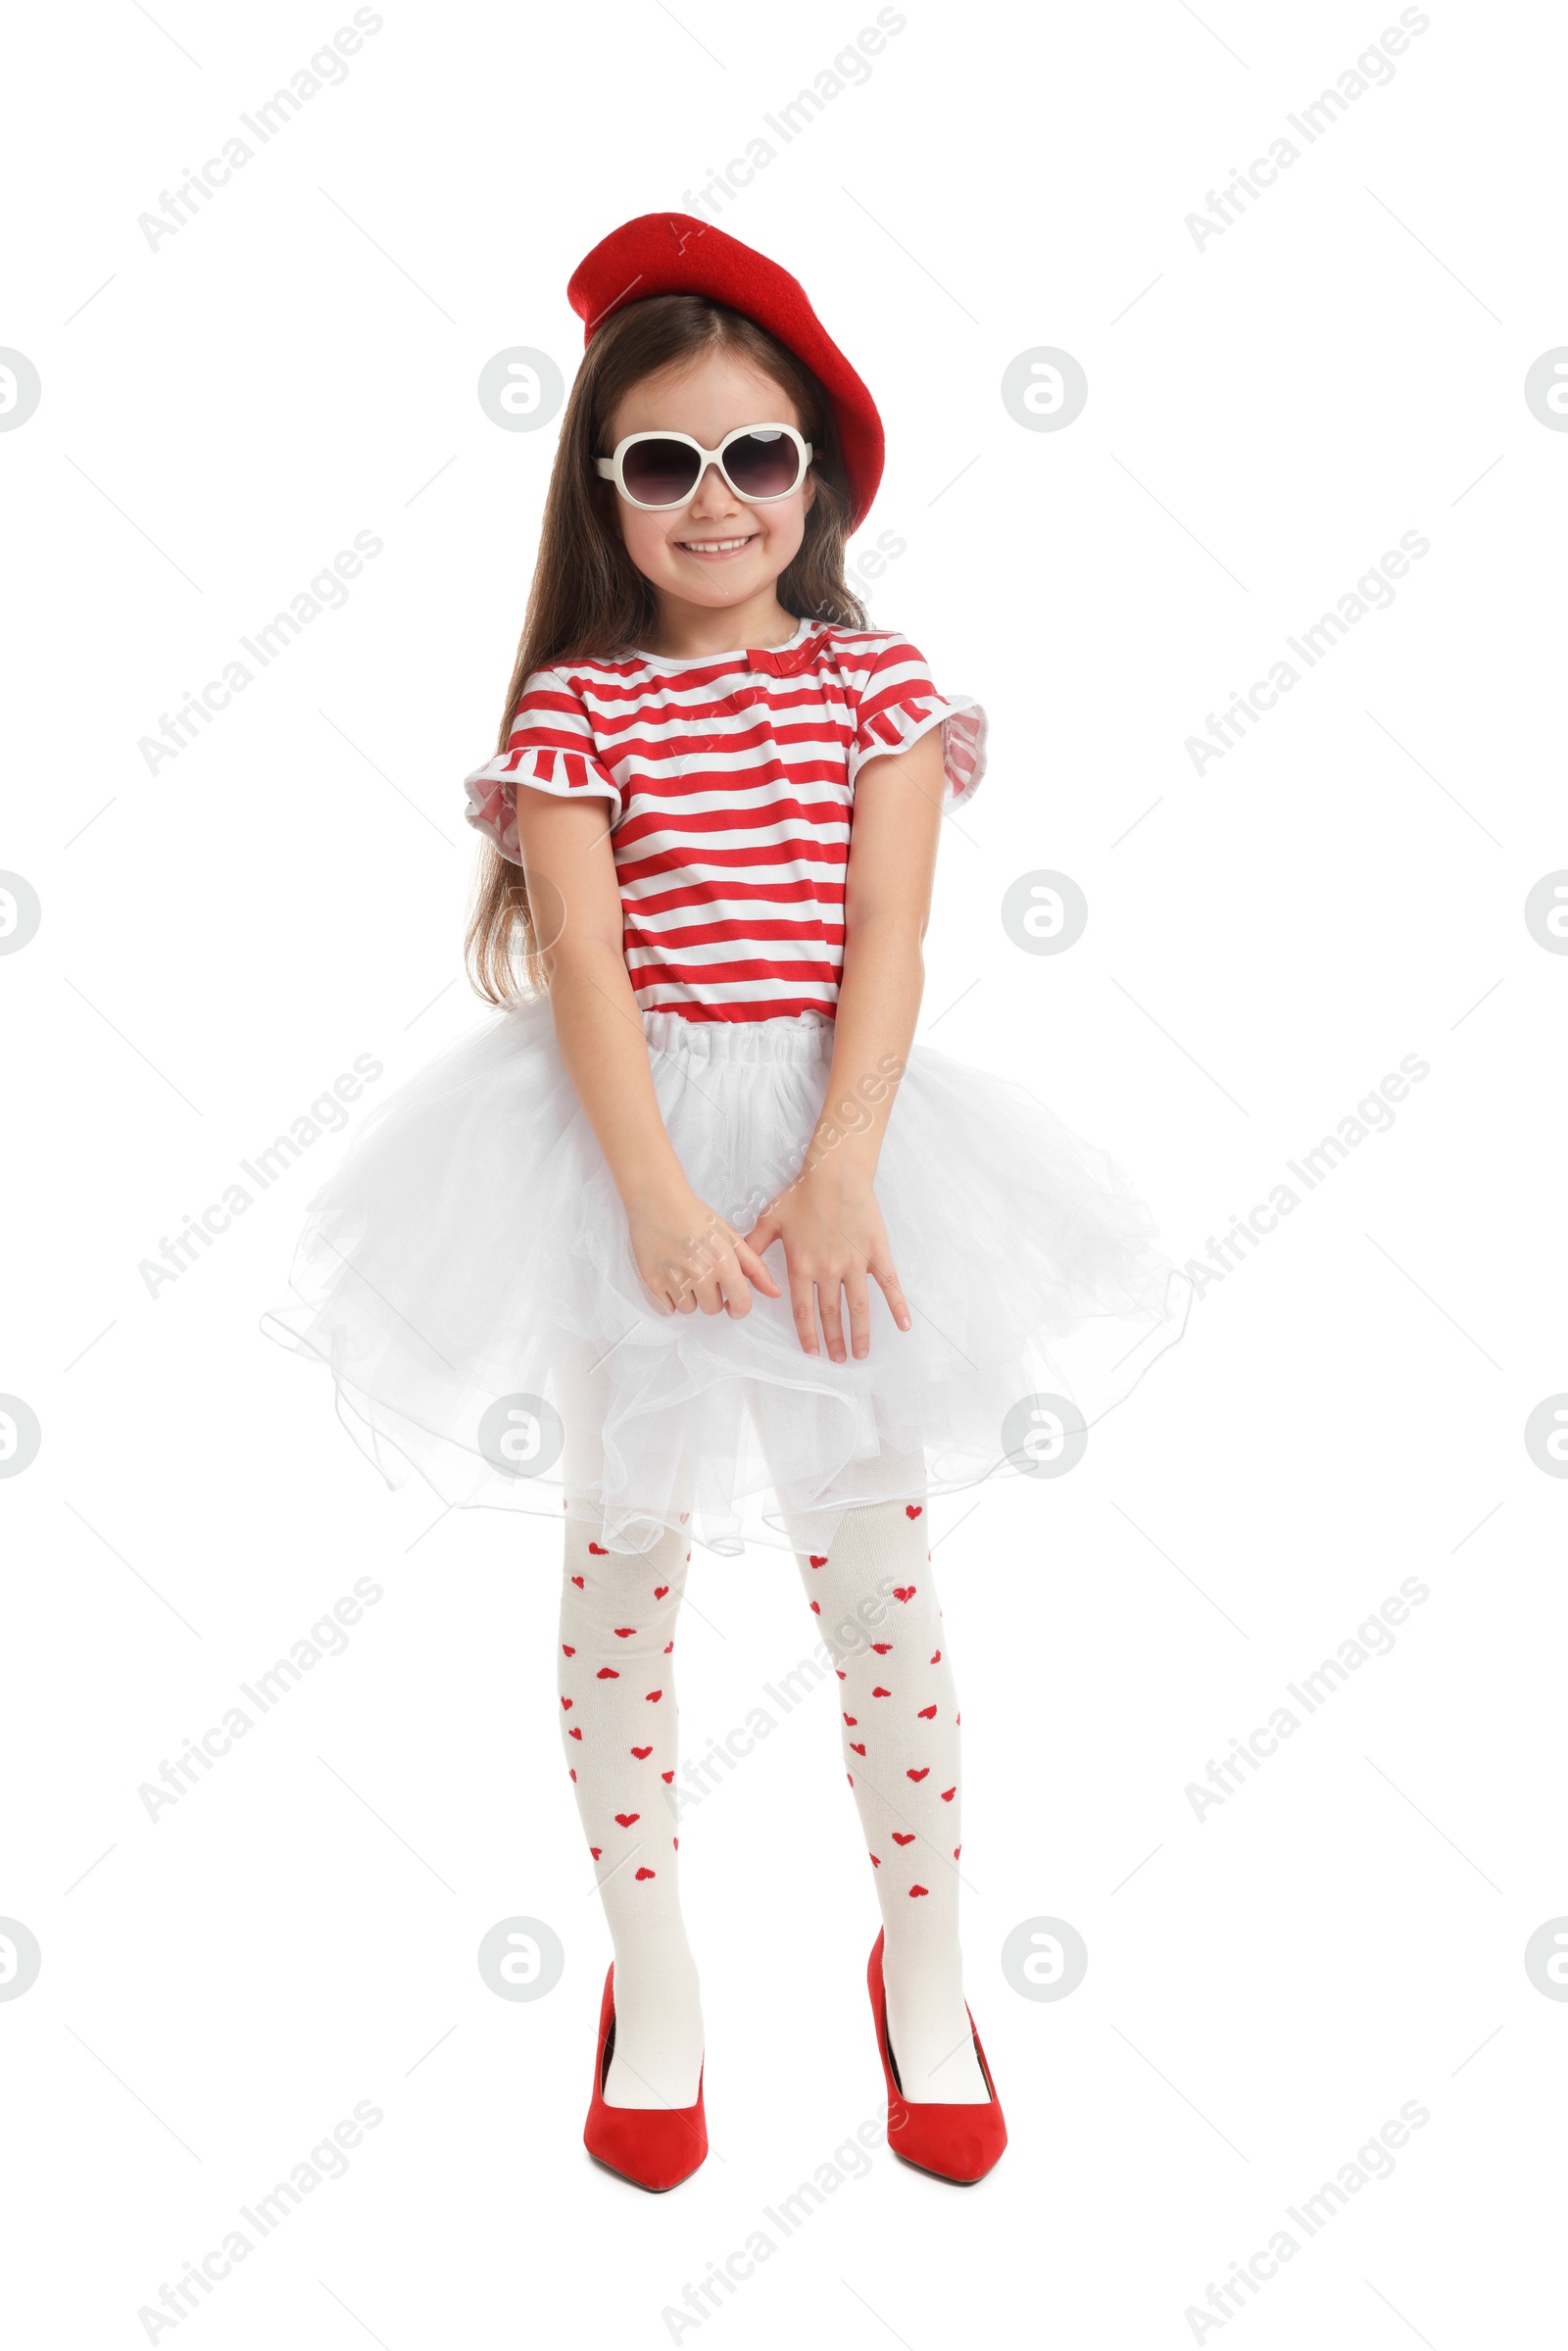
(712,550)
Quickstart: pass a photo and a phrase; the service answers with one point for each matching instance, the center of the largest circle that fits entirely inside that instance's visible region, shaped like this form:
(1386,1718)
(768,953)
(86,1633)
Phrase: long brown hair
(589,602)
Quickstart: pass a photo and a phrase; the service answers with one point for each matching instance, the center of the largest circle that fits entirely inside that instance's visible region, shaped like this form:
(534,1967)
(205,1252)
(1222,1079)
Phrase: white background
(1265,416)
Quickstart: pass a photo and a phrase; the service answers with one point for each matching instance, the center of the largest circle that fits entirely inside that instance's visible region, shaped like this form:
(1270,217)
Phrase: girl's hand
(833,1236)
(687,1257)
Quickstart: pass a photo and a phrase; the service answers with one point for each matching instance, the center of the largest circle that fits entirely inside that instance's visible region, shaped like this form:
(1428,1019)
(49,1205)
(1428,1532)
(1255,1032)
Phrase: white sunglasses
(759,463)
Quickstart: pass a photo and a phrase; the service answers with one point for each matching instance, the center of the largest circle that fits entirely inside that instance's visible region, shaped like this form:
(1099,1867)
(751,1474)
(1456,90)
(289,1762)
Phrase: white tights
(899,1729)
(618,1725)
(874,1595)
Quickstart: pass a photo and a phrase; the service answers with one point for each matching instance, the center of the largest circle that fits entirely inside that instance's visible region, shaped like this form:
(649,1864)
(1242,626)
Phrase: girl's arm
(828,1219)
(686,1255)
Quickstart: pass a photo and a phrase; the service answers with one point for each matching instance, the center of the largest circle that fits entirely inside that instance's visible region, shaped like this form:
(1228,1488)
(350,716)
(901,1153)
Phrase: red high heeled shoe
(655,2146)
(956,2142)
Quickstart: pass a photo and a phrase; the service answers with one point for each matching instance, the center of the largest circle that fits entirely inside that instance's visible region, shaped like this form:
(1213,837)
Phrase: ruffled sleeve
(550,747)
(899,704)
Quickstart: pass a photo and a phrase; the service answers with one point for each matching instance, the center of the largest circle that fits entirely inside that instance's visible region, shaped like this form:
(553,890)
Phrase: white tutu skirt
(468,1279)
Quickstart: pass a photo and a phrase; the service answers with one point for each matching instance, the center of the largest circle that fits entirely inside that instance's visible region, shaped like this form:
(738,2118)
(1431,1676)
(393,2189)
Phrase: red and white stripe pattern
(731,786)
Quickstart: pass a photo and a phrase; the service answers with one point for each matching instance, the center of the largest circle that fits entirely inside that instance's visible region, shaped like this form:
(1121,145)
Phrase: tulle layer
(468,1279)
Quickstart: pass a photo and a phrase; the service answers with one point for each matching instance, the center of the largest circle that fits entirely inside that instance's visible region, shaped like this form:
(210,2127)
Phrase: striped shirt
(731,790)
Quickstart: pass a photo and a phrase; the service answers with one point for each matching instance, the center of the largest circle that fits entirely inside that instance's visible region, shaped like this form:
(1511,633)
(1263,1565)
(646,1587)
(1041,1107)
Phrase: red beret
(670,253)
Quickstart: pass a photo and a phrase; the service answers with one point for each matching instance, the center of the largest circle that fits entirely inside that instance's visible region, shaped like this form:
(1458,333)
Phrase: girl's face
(715,550)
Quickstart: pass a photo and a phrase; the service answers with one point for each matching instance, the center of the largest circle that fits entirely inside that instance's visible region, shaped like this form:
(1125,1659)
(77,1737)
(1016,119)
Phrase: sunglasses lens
(660,472)
(762,465)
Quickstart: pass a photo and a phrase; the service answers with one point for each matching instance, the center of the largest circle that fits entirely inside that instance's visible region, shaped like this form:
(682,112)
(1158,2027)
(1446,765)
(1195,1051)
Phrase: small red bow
(787,663)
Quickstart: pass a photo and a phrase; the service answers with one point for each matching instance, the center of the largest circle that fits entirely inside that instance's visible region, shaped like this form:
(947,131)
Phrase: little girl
(693,1232)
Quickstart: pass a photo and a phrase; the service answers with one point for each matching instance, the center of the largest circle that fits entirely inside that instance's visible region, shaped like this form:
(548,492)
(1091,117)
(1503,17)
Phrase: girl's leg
(616,1680)
(616,1675)
(875,1597)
